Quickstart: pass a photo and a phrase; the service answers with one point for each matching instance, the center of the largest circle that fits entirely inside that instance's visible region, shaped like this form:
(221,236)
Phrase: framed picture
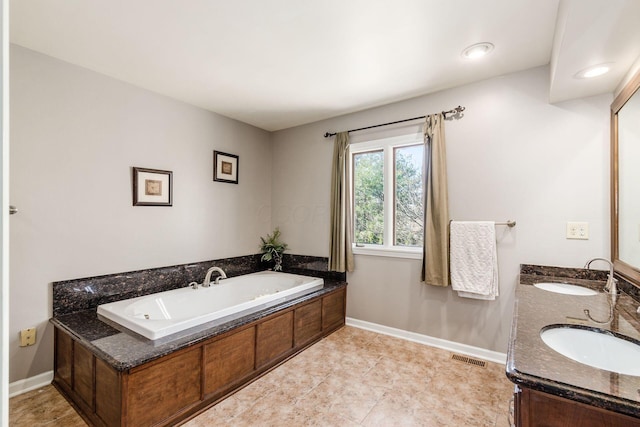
(225,167)
(152,187)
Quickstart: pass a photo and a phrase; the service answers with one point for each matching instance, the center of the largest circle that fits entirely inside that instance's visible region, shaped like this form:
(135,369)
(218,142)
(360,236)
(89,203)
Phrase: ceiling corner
(588,33)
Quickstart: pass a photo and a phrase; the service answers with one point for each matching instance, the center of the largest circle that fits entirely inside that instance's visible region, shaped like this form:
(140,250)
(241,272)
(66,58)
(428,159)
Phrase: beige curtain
(340,252)
(435,258)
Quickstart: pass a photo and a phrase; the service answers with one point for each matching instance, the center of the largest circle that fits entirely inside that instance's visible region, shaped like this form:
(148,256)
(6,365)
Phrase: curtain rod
(456,110)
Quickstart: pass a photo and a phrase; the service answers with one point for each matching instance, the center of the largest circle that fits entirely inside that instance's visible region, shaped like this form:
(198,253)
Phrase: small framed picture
(225,167)
(152,187)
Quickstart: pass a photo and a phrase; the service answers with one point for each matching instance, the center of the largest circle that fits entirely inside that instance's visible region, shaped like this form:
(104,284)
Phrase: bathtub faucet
(207,279)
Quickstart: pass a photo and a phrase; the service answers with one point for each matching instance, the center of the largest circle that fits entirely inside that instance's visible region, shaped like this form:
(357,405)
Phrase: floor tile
(42,407)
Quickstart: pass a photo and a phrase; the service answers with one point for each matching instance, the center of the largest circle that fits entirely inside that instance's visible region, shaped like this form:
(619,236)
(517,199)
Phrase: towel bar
(508,223)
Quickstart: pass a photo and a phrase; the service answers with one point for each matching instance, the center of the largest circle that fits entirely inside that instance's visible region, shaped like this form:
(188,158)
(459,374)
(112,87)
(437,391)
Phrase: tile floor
(351,378)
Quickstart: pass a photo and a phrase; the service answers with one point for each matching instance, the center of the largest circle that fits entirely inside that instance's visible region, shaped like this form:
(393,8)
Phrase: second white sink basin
(597,348)
(565,288)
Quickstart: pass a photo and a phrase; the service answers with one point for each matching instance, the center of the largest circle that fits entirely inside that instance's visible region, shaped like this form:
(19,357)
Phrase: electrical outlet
(27,337)
(577,230)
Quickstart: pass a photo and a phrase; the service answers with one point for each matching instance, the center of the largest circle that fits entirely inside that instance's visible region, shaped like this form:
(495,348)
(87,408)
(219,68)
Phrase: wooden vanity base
(537,409)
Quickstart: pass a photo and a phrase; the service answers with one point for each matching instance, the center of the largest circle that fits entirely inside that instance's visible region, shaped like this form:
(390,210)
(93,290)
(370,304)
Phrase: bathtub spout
(207,279)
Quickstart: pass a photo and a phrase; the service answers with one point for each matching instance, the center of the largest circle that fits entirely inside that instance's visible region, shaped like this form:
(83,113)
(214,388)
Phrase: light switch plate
(578,230)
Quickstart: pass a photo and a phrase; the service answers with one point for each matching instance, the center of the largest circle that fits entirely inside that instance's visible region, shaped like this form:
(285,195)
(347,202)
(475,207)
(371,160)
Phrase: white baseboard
(477,352)
(31,383)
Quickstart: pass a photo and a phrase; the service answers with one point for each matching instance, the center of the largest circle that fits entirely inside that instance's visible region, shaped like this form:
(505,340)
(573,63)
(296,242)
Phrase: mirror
(625,181)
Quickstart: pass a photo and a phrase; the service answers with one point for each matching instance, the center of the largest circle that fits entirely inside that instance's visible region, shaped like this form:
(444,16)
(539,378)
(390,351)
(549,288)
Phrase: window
(387,188)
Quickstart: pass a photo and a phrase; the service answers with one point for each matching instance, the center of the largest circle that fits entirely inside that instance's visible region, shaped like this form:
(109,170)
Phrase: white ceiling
(281,63)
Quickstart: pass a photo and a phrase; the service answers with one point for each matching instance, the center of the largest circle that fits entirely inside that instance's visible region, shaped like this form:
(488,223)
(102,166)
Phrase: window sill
(388,252)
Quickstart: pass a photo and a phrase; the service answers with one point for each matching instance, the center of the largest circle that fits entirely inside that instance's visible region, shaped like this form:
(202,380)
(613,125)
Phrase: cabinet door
(83,365)
(333,313)
(163,389)
(540,409)
(63,357)
(108,394)
(308,323)
(274,338)
(229,360)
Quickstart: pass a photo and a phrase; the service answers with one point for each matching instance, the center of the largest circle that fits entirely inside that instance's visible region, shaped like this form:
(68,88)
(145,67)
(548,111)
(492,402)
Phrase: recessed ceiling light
(593,71)
(477,50)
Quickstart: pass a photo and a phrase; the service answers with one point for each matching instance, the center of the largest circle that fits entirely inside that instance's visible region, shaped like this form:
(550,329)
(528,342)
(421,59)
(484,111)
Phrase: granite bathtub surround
(531,364)
(75,303)
(124,349)
(70,296)
(310,265)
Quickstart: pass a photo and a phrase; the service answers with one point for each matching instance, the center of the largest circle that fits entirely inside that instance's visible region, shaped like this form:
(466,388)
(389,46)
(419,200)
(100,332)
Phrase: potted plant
(272,249)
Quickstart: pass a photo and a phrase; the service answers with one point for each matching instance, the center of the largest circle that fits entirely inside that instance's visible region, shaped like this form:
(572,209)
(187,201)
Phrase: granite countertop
(531,363)
(124,349)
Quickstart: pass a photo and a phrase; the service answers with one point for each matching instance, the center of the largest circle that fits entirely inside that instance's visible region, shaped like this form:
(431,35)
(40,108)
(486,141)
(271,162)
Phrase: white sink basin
(565,288)
(597,348)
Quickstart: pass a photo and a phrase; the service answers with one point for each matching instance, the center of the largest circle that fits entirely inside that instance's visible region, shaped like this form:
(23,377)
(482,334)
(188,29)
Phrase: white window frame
(388,249)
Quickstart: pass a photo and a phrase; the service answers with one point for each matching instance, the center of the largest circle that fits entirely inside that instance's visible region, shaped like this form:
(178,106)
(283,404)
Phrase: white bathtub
(158,315)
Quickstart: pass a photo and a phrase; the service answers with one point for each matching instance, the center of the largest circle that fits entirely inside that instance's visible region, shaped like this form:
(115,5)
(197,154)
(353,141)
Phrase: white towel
(474,259)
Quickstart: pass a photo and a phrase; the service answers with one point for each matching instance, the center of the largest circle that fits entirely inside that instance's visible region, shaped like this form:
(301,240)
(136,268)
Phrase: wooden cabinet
(228,361)
(63,355)
(538,409)
(157,391)
(333,310)
(274,338)
(83,374)
(177,386)
(308,323)
(108,394)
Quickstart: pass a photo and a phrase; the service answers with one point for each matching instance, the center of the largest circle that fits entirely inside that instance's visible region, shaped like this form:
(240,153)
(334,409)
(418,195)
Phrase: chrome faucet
(207,279)
(611,288)
(612,283)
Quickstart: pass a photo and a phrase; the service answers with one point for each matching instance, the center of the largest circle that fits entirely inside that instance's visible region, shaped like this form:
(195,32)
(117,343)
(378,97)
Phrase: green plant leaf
(271,246)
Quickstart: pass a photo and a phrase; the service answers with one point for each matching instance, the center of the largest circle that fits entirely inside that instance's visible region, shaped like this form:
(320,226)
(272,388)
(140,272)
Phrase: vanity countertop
(532,364)
(124,349)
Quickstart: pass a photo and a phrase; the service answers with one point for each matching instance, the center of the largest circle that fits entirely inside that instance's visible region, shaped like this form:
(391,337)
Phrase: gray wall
(512,156)
(75,134)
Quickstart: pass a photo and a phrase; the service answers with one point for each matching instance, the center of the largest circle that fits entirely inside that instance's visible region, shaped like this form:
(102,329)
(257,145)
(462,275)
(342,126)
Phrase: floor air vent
(469,360)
